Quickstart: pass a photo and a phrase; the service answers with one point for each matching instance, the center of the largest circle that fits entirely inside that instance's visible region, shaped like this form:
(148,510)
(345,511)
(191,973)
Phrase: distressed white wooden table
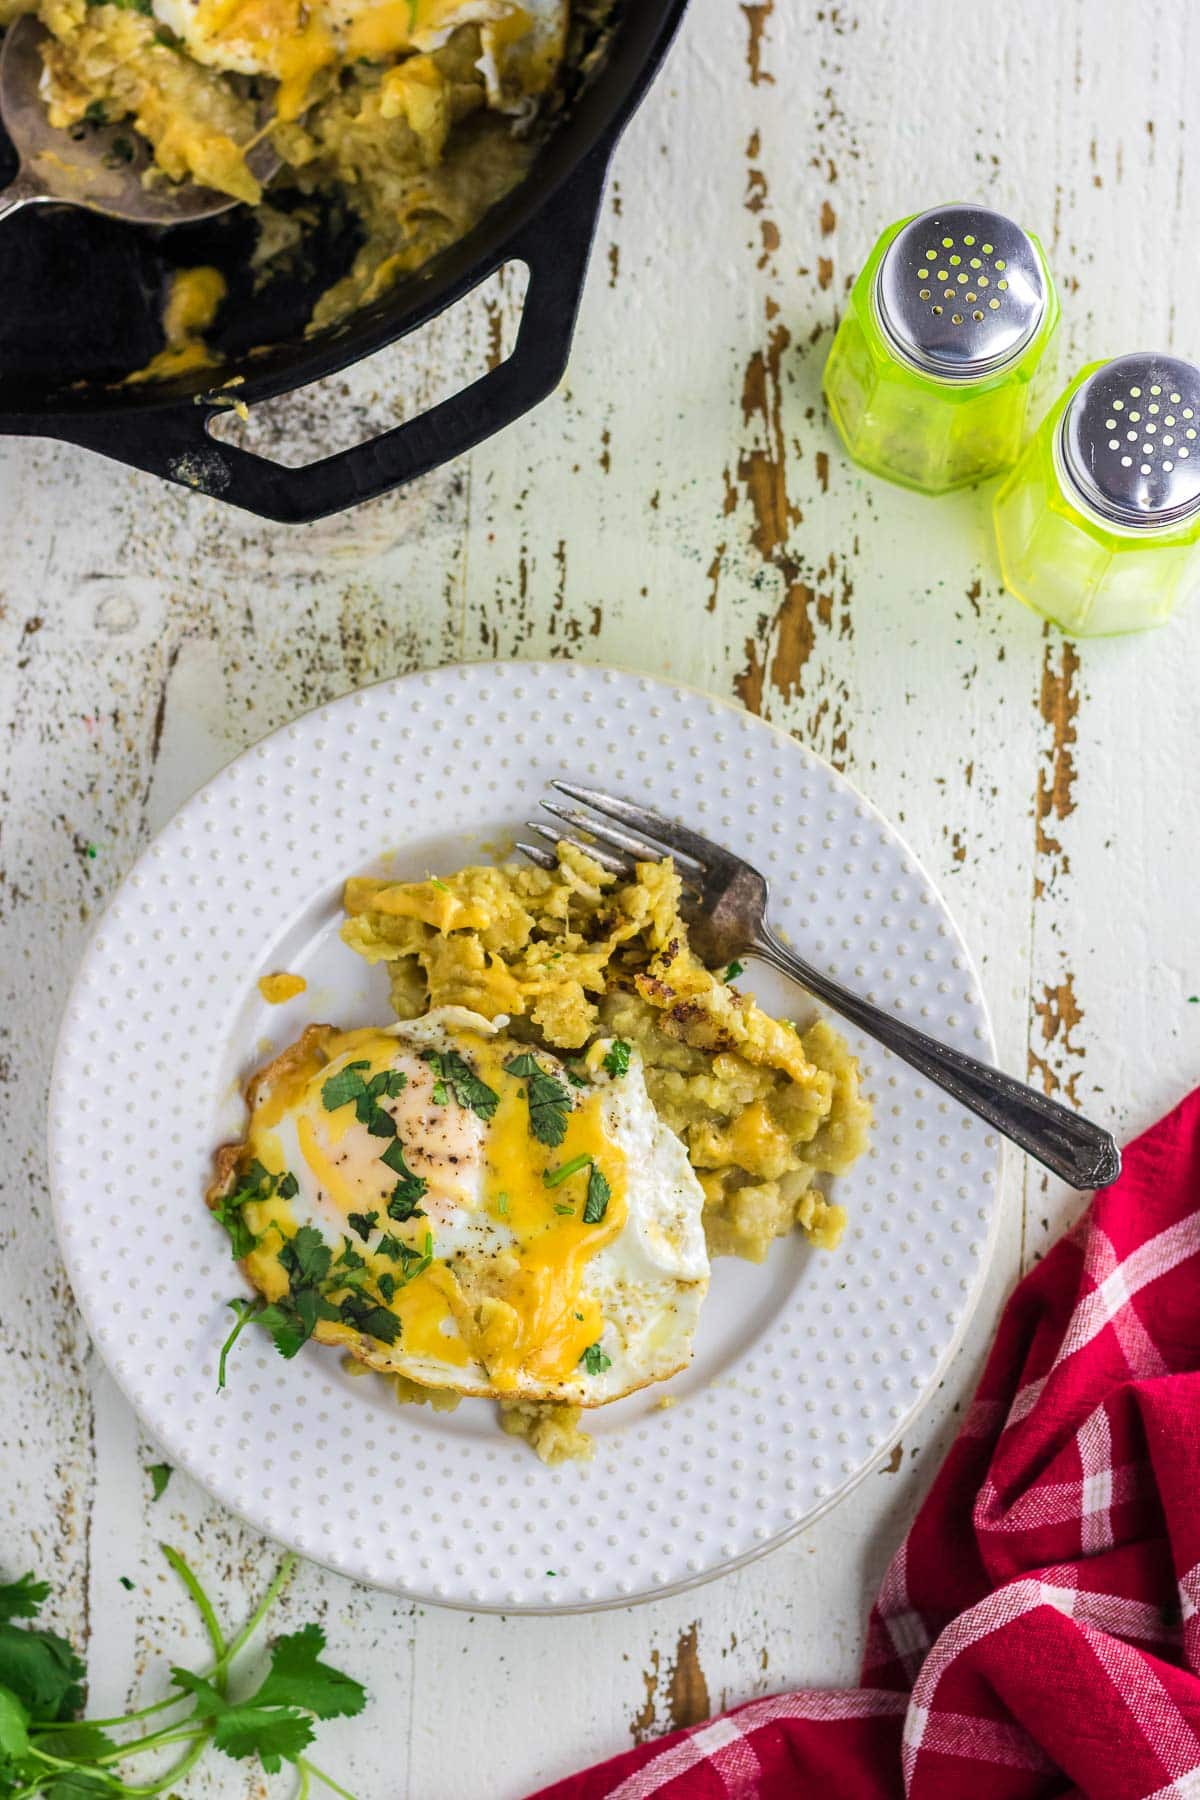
(682,507)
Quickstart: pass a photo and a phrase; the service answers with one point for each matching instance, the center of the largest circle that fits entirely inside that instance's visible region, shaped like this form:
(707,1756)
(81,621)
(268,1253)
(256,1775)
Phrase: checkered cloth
(1038,1634)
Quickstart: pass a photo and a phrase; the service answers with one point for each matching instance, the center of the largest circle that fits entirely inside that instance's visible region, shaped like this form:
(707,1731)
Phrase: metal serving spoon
(725,905)
(101,168)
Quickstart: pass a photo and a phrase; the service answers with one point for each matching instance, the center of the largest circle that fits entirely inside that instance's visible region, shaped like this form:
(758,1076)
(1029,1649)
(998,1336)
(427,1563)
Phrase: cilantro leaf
(288,1187)
(362,1223)
(289,1330)
(343,1087)
(576,1079)
(549,1101)
(271,1735)
(42,1670)
(734,970)
(594,1360)
(362,1314)
(385,1281)
(616,1059)
(298,1678)
(160,1474)
(453,1073)
(228,1212)
(14,1721)
(23,1598)
(409,1190)
(598,1196)
(306,1257)
(245,1728)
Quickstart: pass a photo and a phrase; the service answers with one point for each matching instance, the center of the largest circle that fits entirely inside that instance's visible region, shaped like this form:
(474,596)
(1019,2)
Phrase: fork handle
(1072,1147)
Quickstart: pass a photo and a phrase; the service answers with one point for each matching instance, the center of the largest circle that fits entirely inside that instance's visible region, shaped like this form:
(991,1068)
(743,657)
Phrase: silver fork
(725,906)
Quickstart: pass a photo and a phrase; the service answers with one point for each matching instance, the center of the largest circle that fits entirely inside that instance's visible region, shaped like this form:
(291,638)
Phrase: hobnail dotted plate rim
(642,696)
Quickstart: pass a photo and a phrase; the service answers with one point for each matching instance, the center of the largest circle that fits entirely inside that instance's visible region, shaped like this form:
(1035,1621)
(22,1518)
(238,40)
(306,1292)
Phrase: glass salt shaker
(939,368)
(1099,523)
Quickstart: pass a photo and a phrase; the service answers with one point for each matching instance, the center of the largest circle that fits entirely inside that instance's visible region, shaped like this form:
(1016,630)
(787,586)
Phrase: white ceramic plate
(805,1368)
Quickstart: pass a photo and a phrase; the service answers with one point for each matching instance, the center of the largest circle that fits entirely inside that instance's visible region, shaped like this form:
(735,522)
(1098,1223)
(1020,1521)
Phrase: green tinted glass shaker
(939,369)
(1098,525)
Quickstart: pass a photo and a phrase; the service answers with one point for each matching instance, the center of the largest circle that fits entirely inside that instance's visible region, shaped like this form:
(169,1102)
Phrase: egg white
(648,1281)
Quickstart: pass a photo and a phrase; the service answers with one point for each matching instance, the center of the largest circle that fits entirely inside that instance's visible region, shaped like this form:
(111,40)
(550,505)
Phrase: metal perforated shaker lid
(960,292)
(1129,442)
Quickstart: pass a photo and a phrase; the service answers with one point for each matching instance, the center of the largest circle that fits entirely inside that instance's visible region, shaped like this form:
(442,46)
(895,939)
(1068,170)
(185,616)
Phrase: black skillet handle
(174,442)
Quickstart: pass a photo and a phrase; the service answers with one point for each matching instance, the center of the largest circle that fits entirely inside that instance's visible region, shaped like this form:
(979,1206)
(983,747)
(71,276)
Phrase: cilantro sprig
(616,1058)
(548,1100)
(254,1183)
(594,1360)
(454,1076)
(319,1288)
(46,1750)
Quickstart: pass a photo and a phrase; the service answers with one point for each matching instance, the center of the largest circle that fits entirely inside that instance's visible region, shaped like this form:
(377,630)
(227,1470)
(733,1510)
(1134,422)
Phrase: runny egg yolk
(507,1285)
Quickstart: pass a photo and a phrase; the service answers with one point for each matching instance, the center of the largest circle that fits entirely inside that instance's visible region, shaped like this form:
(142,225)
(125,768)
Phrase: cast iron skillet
(83,300)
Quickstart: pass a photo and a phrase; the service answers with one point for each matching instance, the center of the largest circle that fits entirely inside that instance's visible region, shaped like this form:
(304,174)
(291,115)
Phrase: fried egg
(454,1207)
(291,41)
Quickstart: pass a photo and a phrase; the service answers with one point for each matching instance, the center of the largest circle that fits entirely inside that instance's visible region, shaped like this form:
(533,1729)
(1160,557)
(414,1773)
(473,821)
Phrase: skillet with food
(129,340)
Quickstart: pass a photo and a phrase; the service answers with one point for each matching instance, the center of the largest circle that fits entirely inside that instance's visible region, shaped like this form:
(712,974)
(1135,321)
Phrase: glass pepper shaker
(1098,525)
(939,368)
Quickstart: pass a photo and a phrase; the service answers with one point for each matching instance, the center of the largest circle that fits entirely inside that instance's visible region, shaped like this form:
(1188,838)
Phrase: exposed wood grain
(681,506)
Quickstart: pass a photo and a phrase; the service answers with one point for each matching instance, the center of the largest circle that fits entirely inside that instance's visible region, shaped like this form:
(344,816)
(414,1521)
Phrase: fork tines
(618,834)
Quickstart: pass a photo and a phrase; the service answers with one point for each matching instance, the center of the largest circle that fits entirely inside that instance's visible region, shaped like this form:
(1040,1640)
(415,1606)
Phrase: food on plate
(514,1190)
(460,1210)
(415,114)
(574,954)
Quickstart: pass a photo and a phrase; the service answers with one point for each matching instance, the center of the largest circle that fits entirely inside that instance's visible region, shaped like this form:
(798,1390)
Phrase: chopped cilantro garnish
(598,1195)
(348,1086)
(616,1059)
(412,1262)
(385,1281)
(362,1223)
(435,881)
(363,1314)
(576,1079)
(452,1073)
(564,1209)
(734,970)
(94,114)
(126,1583)
(349,1262)
(343,1087)
(160,1474)
(409,1190)
(595,1361)
(553,1177)
(549,1101)
(255,1183)
(502,1205)
(305,1256)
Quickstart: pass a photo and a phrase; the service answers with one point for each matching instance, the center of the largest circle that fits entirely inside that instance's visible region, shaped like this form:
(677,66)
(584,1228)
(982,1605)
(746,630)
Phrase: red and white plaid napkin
(1038,1634)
